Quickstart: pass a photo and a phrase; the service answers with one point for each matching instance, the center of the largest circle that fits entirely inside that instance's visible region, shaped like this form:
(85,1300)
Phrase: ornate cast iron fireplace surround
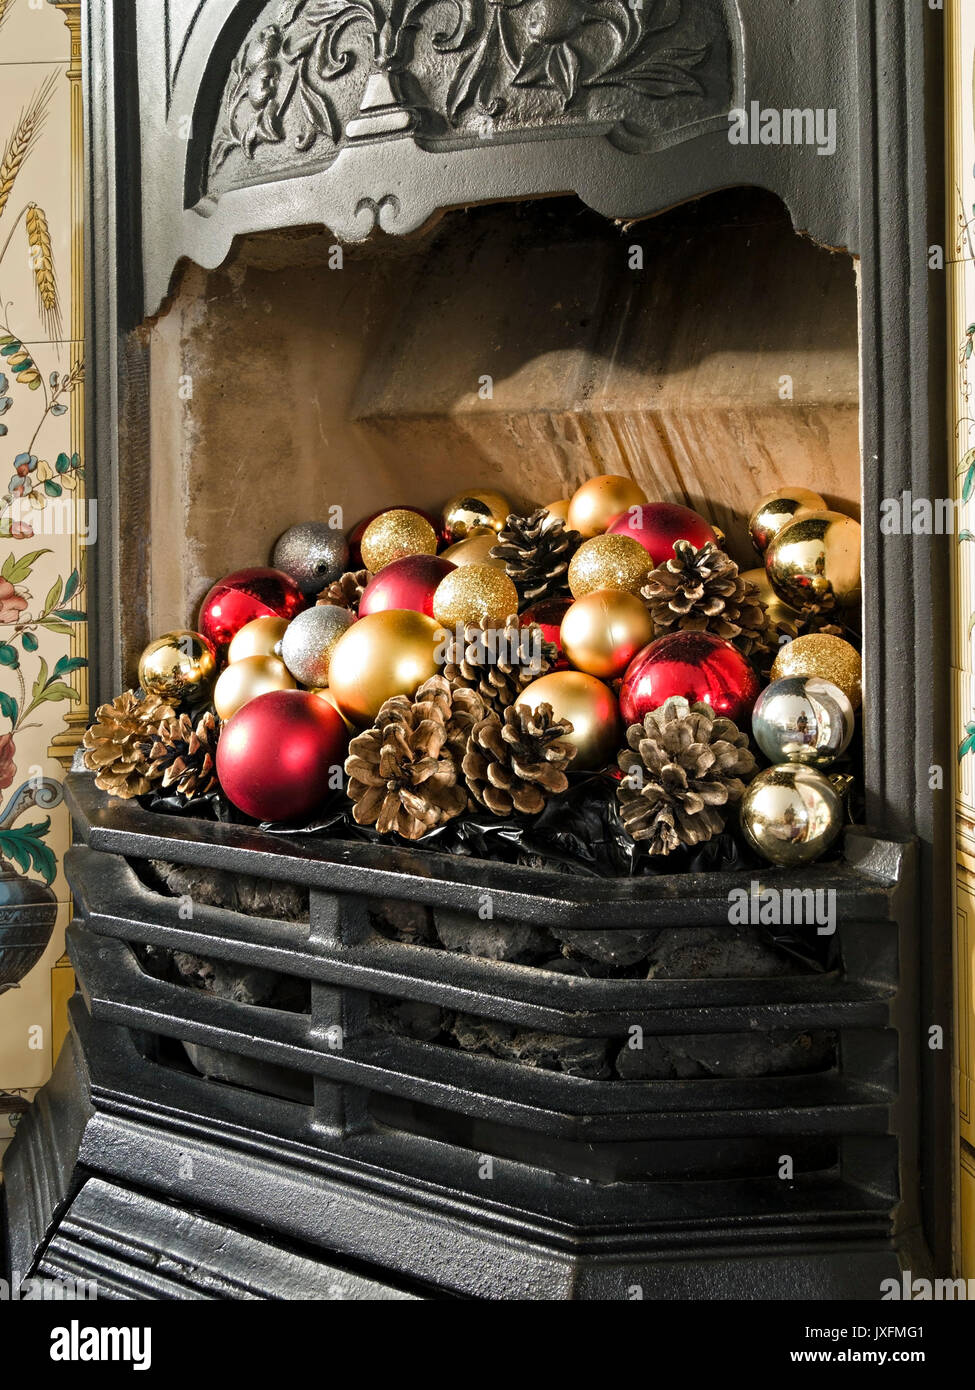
(356,1170)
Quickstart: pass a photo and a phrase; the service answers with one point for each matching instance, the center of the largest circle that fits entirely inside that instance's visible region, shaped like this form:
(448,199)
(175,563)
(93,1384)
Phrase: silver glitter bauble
(313,554)
(803,719)
(306,647)
(791,814)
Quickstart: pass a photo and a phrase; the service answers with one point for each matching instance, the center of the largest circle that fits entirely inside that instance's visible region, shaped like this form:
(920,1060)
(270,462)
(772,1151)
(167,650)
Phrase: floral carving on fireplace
(325,73)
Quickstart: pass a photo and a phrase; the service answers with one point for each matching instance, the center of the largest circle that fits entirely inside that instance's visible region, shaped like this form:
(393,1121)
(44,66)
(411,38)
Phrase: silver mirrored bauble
(803,719)
(313,554)
(306,647)
(791,814)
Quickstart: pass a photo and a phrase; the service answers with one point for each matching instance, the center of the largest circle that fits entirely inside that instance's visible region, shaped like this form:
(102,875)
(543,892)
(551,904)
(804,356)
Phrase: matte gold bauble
(244,680)
(475,550)
(470,511)
(559,509)
(384,654)
(325,694)
(395,534)
(777,509)
(829,658)
(608,562)
(603,631)
(590,707)
(177,666)
(475,594)
(594,505)
(258,638)
(778,611)
(813,564)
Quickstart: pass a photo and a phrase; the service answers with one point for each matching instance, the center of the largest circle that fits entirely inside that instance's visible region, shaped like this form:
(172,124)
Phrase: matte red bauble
(406,583)
(693,664)
(548,615)
(657,525)
(358,531)
(276,755)
(241,597)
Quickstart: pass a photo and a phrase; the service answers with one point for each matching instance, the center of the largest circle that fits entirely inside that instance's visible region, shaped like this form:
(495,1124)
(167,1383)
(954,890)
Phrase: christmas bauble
(600,500)
(475,550)
(380,656)
(244,680)
(559,509)
(313,554)
(778,611)
(549,615)
(695,665)
(177,666)
(803,719)
(608,562)
(259,638)
(777,509)
(406,583)
(395,534)
(791,814)
(813,564)
(469,511)
(277,757)
(603,631)
(475,594)
(307,646)
(591,708)
(359,530)
(241,597)
(659,524)
(830,658)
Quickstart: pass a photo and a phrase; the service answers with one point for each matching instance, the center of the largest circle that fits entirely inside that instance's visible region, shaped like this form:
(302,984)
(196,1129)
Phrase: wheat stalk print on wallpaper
(46,525)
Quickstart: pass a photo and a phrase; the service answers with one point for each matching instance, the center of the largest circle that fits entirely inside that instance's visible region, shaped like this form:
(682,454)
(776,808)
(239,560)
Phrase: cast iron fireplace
(333,1071)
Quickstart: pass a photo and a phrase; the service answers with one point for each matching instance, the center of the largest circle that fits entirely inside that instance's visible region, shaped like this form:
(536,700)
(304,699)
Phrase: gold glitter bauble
(813,564)
(559,509)
(470,511)
(393,535)
(475,550)
(591,709)
(244,680)
(385,654)
(829,658)
(791,814)
(258,638)
(603,631)
(778,611)
(777,509)
(475,594)
(594,505)
(177,665)
(608,562)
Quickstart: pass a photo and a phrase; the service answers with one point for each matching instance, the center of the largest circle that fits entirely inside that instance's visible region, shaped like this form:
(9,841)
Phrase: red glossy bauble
(239,598)
(358,531)
(406,583)
(548,614)
(693,664)
(276,756)
(657,525)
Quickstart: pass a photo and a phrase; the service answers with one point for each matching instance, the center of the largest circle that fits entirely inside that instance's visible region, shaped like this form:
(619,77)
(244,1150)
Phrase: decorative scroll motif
(328,72)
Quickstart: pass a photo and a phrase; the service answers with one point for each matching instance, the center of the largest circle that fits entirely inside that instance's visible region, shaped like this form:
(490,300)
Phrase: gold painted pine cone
(702,591)
(118,746)
(516,762)
(183,755)
(499,663)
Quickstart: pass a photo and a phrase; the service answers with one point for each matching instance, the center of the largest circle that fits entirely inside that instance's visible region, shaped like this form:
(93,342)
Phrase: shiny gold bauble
(471,510)
(813,564)
(829,658)
(475,550)
(244,680)
(559,509)
(385,654)
(393,535)
(475,594)
(325,694)
(591,708)
(791,814)
(778,611)
(603,631)
(258,638)
(594,505)
(608,562)
(177,665)
(777,509)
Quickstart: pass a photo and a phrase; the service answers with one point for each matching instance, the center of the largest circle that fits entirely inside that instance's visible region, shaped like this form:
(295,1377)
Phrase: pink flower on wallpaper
(11,603)
(7,768)
(21,531)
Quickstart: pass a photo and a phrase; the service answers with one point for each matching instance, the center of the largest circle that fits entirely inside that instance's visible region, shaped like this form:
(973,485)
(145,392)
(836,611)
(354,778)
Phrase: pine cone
(683,768)
(702,591)
(346,591)
(497,662)
(536,551)
(516,762)
(404,772)
(183,755)
(118,746)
